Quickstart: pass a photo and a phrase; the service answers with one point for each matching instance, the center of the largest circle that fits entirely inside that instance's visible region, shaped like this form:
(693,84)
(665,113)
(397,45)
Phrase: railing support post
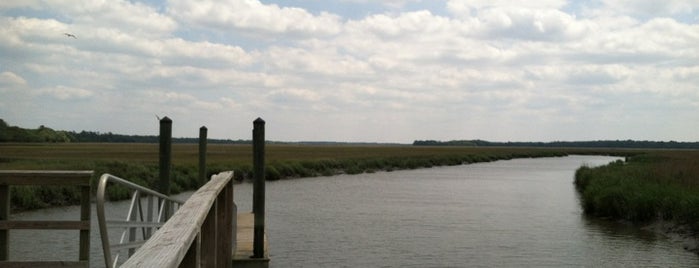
(4,215)
(258,194)
(165,159)
(202,155)
(225,235)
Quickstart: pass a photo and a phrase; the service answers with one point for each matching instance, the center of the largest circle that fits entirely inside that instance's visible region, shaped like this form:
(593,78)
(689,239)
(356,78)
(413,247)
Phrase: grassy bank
(139,163)
(661,185)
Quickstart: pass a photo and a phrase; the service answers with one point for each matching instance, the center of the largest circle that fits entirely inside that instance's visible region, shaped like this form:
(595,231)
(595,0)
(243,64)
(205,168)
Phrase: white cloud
(468,7)
(254,16)
(651,8)
(10,79)
(132,17)
(66,93)
(522,23)
(388,3)
(402,74)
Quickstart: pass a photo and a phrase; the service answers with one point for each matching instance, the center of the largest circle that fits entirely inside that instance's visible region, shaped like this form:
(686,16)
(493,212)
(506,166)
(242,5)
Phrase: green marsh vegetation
(139,163)
(657,185)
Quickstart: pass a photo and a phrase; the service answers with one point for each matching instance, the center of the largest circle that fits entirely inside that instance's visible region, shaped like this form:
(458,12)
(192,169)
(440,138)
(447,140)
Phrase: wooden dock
(206,230)
(242,257)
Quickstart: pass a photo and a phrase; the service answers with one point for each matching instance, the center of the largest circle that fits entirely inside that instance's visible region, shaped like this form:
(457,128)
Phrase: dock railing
(200,234)
(80,179)
(141,221)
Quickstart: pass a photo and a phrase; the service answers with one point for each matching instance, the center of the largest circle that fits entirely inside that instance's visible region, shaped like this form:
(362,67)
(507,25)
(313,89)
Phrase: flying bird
(70,35)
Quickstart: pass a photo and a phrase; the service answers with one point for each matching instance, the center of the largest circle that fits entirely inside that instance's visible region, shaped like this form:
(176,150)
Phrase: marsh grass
(656,185)
(139,162)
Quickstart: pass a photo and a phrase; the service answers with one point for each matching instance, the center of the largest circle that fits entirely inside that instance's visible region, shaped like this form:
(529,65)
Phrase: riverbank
(677,233)
(657,191)
(139,163)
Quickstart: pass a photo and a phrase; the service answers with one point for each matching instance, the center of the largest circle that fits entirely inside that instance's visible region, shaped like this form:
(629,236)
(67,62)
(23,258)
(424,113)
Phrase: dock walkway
(244,244)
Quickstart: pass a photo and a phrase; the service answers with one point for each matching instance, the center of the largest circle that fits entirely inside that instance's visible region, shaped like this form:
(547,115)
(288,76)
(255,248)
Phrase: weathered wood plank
(208,238)
(4,215)
(225,213)
(84,244)
(44,264)
(44,177)
(45,225)
(245,235)
(170,244)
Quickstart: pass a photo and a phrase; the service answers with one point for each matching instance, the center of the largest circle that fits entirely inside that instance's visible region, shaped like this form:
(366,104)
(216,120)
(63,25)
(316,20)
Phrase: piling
(258,194)
(202,155)
(165,159)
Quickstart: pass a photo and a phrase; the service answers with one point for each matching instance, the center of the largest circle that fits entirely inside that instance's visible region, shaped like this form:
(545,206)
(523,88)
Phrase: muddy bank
(680,234)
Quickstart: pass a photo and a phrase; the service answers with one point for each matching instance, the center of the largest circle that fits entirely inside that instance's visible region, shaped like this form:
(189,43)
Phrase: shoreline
(675,232)
(655,191)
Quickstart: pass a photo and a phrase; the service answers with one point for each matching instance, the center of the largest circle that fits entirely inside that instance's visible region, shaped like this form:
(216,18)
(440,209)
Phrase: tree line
(45,134)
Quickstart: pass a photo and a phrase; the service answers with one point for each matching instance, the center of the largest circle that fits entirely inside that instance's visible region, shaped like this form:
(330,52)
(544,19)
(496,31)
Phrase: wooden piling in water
(258,194)
(202,155)
(165,159)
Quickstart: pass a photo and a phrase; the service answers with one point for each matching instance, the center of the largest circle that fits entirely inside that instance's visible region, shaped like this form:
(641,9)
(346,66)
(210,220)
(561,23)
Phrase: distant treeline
(44,134)
(626,144)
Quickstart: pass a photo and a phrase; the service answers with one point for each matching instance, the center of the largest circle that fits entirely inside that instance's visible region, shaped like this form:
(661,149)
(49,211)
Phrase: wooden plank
(44,264)
(84,243)
(45,225)
(4,215)
(208,238)
(245,228)
(224,227)
(169,245)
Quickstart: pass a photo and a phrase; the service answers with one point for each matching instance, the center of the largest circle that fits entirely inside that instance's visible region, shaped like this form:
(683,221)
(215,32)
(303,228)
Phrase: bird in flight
(70,35)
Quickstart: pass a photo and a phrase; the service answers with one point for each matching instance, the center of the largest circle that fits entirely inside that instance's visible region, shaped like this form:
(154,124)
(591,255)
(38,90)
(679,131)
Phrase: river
(521,212)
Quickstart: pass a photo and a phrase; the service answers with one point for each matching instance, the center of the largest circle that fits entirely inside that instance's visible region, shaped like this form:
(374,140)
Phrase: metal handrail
(135,219)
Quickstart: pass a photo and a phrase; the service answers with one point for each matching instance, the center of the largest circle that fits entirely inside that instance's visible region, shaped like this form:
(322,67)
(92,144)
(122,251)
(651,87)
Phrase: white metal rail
(157,207)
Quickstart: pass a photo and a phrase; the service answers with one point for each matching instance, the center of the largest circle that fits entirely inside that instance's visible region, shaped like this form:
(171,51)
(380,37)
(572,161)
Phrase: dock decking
(244,244)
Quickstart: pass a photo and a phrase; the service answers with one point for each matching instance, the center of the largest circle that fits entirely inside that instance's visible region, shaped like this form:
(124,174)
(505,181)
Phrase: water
(522,212)
(52,245)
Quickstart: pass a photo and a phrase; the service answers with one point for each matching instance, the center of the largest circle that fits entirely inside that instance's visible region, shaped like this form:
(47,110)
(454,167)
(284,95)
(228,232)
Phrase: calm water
(522,212)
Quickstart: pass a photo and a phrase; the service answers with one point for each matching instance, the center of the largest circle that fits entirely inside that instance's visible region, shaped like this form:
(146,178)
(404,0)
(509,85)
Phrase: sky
(355,70)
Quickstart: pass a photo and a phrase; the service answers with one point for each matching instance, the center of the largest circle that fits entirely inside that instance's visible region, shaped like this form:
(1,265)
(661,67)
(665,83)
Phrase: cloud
(650,8)
(252,16)
(388,3)
(10,79)
(468,7)
(392,75)
(529,24)
(9,4)
(66,93)
(132,17)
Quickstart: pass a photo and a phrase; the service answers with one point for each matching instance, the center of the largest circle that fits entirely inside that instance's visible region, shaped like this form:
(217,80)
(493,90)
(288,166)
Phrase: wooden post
(165,160)
(224,226)
(202,155)
(208,234)
(84,251)
(4,215)
(258,192)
